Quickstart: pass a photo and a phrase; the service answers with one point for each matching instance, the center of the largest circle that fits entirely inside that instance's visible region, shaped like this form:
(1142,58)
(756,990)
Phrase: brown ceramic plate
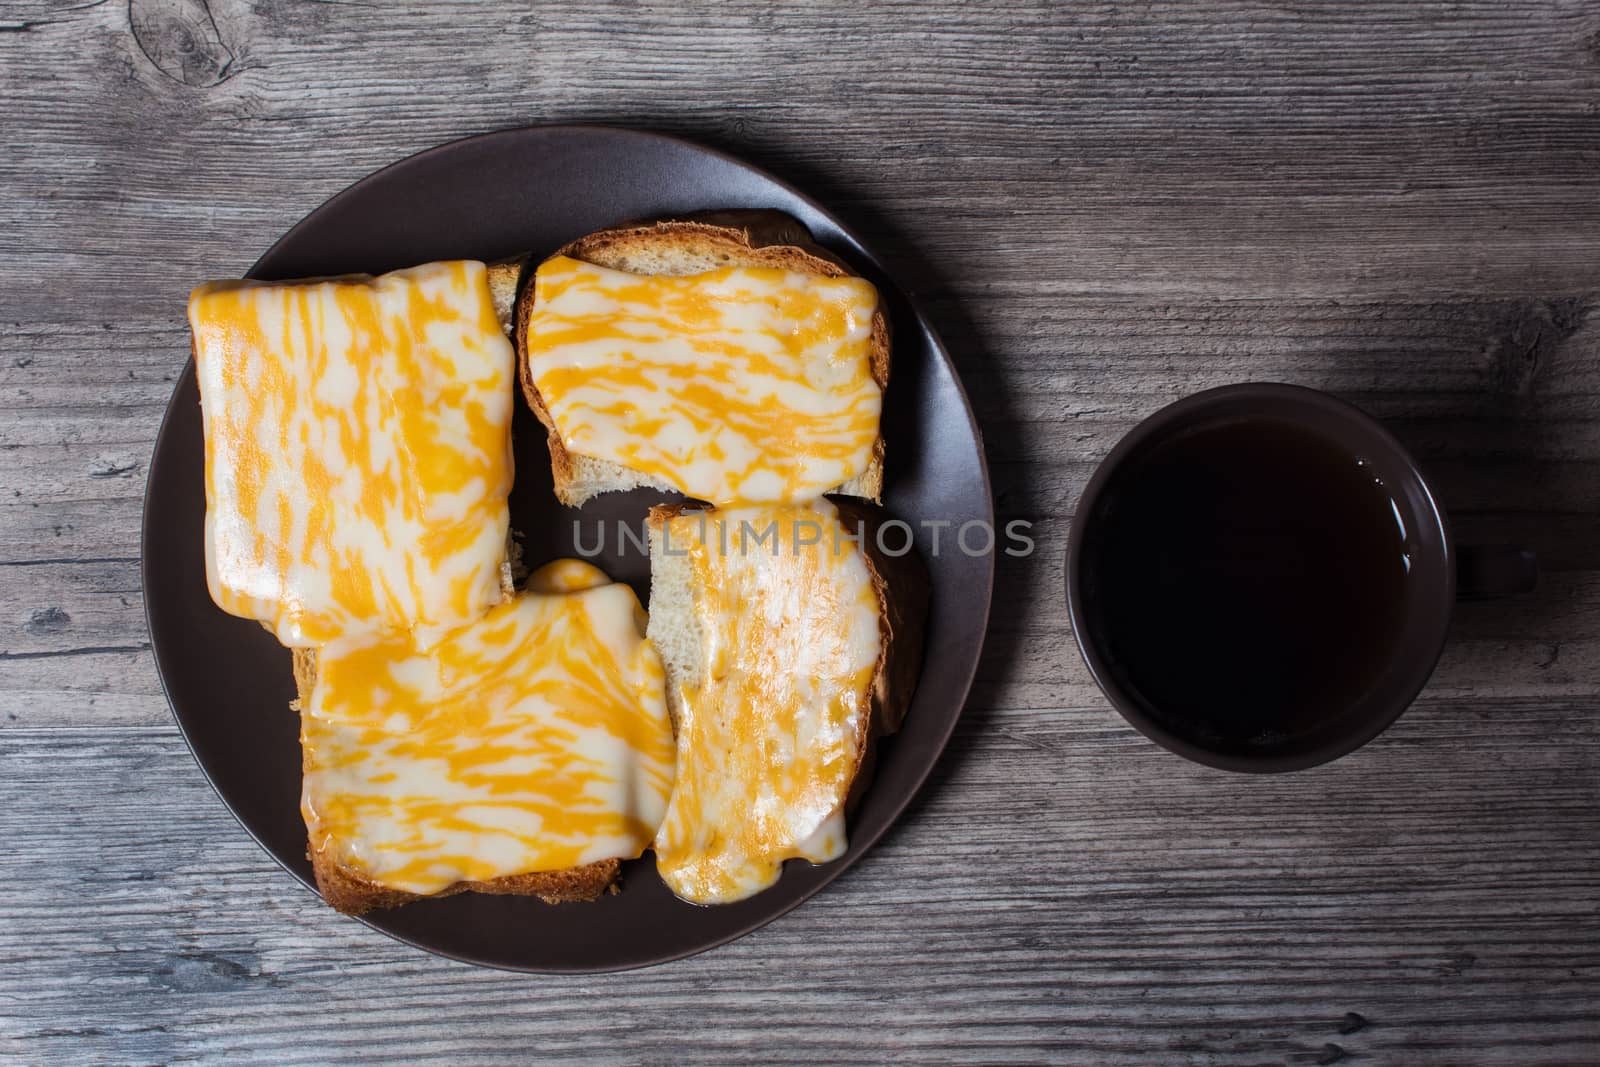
(485,197)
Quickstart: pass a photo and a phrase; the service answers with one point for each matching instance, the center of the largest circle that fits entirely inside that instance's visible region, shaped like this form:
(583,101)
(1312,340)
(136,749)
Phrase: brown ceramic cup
(1437,573)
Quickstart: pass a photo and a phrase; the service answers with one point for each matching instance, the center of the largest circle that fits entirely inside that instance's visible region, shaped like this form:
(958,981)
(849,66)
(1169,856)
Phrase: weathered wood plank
(1239,152)
(1449,903)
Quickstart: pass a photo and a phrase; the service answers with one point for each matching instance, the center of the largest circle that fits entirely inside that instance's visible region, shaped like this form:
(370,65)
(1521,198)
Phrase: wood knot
(1352,1023)
(180,39)
(210,972)
(113,468)
(1525,337)
(47,621)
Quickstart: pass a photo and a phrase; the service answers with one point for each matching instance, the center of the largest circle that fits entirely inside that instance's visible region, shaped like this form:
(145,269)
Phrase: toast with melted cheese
(726,358)
(358,448)
(455,735)
(790,642)
(526,753)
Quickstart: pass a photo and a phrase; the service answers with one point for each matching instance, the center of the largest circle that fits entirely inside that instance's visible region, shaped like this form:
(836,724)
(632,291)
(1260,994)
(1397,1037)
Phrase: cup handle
(1495,570)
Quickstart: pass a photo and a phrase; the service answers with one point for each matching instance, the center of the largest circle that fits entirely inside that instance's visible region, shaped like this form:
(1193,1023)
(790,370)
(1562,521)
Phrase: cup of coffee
(1260,579)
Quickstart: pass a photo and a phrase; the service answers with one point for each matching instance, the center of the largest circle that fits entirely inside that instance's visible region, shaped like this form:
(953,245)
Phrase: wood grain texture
(1103,207)
(1444,918)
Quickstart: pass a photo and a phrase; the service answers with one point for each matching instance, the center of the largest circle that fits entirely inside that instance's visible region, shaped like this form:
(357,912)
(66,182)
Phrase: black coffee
(1248,581)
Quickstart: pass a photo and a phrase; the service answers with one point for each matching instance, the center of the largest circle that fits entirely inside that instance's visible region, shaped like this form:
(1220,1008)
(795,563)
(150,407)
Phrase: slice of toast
(356,517)
(785,598)
(349,891)
(679,248)
(343,882)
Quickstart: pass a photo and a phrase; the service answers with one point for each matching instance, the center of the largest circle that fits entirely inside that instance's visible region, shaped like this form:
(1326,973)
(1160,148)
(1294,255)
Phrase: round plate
(533,190)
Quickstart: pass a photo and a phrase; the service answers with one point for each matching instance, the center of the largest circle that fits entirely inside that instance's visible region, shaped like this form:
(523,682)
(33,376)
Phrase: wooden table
(1104,206)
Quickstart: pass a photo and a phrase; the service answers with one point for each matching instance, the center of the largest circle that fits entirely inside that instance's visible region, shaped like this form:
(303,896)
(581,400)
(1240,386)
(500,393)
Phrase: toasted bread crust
(901,583)
(731,238)
(350,893)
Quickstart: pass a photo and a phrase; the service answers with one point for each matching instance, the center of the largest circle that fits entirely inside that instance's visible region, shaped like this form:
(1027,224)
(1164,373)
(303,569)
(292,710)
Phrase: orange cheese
(535,739)
(768,738)
(358,449)
(745,384)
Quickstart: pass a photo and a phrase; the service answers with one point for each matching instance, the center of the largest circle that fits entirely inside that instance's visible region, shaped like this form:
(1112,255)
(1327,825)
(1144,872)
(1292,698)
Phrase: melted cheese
(358,449)
(743,384)
(768,737)
(536,739)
